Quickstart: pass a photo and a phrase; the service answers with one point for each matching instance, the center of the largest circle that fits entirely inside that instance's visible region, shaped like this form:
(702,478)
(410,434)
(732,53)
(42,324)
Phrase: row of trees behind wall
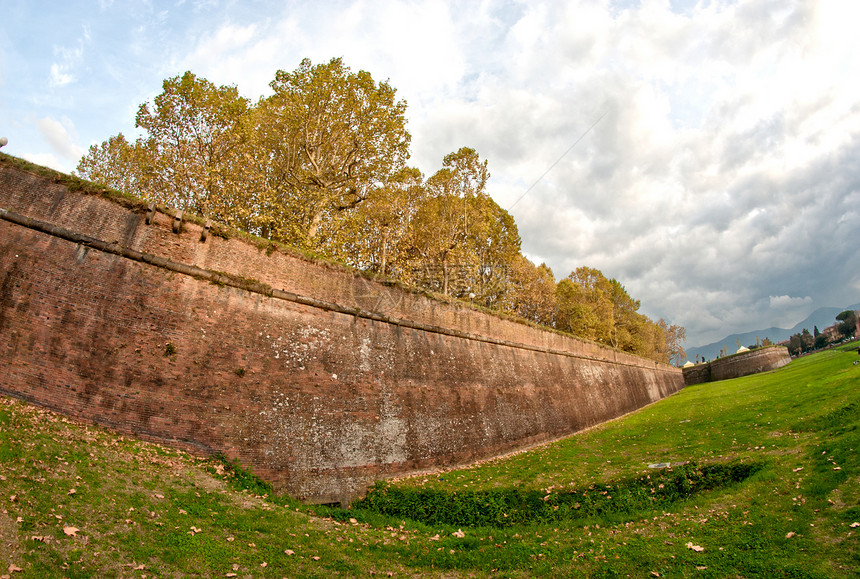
(845,329)
(322,164)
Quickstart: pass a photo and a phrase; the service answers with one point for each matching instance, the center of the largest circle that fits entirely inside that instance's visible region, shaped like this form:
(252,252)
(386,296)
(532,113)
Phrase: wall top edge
(77,187)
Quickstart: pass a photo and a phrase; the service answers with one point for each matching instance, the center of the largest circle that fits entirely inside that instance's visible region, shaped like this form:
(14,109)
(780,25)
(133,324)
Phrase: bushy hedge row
(508,507)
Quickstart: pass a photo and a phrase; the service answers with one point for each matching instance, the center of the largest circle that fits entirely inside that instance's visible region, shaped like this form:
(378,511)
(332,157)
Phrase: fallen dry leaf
(289,552)
(72,492)
(695,548)
(13,568)
(459,533)
(140,567)
(790,534)
(230,575)
(315,558)
(235,566)
(854,525)
(70,531)
(435,538)
(655,574)
(264,564)
(700,568)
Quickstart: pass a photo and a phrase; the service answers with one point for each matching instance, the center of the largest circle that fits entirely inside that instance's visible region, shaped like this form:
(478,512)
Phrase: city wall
(737,365)
(318,379)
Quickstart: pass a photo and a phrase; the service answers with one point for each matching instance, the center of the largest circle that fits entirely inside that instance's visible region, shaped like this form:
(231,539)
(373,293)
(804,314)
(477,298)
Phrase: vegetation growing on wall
(321,164)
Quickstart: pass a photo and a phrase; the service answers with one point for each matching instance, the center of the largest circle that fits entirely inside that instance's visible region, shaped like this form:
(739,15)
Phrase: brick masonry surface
(737,365)
(318,379)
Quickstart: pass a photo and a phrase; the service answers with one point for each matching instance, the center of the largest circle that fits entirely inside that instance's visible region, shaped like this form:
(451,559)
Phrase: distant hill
(822,317)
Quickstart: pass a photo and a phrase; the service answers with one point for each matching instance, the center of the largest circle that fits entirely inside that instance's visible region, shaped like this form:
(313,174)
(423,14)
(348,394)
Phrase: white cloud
(66,61)
(779,302)
(44,159)
(60,75)
(61,138)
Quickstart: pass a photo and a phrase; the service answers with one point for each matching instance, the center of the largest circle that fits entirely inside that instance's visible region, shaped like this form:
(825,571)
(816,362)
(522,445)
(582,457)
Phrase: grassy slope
(144,510)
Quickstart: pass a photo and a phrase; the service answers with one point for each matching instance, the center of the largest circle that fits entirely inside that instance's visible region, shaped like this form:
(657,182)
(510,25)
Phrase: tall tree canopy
(115,163)
(584,302)
(372,235)
(190,143)
(331,137)
(460,241)
(847,323)
(188,153)
(531,291)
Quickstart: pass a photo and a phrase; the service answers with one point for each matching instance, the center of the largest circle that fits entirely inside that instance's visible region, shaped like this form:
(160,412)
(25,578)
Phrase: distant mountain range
(822,317)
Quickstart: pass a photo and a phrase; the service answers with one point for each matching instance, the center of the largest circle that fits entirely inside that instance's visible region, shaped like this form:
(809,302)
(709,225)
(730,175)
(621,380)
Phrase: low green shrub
(509,507)
(242,479)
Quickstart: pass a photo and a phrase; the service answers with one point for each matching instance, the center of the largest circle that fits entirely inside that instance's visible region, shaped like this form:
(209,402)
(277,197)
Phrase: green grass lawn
(764,482)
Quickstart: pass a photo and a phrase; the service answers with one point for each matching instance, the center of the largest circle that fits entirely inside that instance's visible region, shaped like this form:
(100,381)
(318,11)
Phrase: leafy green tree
(190,144)
(847,323)
(584,305)
(807,342)
(114,163)
(629,331)
(531,291)
(186,157)
(492,243)
(324,141)
(461,242)
(674,337)
(435,243)
(795,346)
(372,236)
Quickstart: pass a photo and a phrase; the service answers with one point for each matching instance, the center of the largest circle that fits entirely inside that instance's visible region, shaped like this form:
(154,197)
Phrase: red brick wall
(320,386)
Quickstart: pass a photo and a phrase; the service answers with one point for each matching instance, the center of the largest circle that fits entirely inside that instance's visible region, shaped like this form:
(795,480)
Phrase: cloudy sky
(705,154)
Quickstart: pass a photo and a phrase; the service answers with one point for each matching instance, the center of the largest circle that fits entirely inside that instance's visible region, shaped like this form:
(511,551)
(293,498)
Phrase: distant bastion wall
(737,365)
(317,378)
